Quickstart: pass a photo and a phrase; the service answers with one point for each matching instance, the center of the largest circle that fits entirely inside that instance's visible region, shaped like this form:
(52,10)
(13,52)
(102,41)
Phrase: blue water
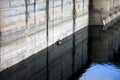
(101,72)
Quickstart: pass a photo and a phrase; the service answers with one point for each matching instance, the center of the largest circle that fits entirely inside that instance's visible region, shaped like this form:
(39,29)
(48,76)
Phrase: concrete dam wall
(42,39)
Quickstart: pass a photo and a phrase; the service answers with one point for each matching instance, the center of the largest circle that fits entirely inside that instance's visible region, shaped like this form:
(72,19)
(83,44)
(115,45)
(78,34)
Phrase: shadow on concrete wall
(61,61)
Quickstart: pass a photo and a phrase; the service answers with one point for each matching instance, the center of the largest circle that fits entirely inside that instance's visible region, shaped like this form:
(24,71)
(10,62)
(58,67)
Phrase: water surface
(103,71)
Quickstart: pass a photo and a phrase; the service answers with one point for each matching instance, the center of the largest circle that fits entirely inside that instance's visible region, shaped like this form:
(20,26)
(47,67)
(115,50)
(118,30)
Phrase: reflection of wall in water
(107,44)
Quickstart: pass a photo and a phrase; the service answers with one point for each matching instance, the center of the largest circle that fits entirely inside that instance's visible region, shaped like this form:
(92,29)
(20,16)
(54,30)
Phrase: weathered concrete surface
(104,12)
(60,61)
(29,30)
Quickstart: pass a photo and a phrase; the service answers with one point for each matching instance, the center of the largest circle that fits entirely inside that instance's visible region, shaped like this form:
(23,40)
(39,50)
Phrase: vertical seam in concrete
(74,20)
(82,55)
(26,22)
(35,12)
(0,37)
(83,7)
(0,28)
(27,32)
(53,37)
(9,3)
(61,21)
(62,5)
(47,36)
(26,12)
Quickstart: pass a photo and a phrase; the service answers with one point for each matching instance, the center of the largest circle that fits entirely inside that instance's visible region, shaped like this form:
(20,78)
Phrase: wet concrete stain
(34,11)
(26,11)
(74,20)
(47,39)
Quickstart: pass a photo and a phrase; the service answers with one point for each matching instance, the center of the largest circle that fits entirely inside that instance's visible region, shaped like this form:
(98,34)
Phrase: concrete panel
(26,40)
